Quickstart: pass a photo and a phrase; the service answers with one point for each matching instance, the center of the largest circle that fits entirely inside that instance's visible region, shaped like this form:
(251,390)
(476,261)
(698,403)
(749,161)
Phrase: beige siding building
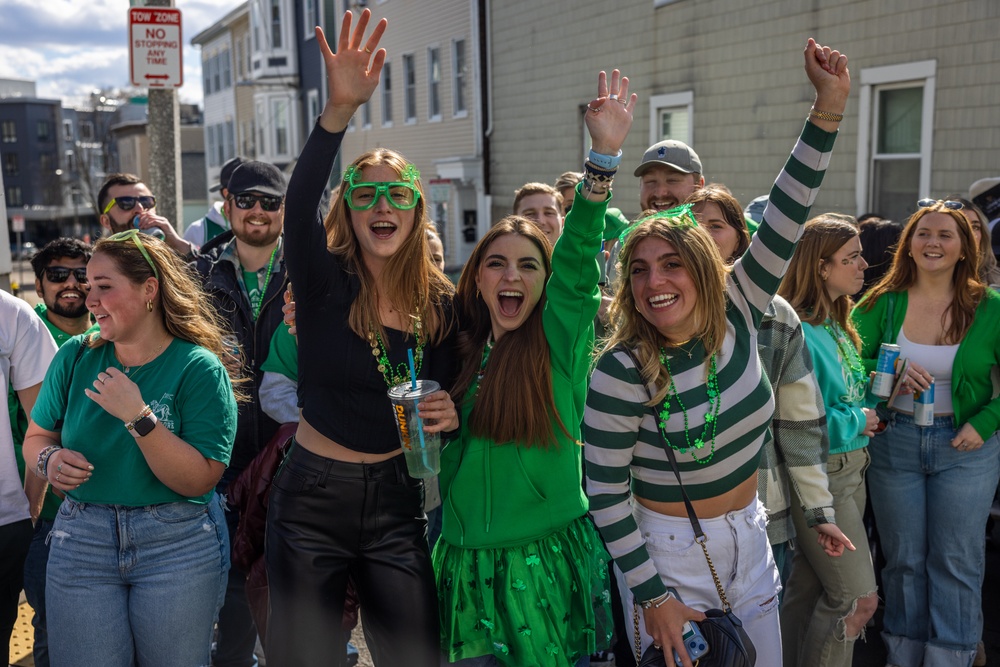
(426,108)
(726,76)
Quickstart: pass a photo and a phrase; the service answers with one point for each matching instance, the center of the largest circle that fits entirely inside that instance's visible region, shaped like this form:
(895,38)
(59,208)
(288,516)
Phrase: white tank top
(937,360)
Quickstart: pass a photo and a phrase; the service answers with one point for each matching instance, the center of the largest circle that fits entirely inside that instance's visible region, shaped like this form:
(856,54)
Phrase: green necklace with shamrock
(711,427)
(854,370)
(401,372)
(487,348)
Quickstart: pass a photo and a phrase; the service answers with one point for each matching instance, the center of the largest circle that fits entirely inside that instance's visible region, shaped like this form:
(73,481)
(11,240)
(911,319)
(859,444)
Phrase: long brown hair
(182,304)
(514,401)
(701,259)
(731,212)
(413,284)
(803,285)
(965,276)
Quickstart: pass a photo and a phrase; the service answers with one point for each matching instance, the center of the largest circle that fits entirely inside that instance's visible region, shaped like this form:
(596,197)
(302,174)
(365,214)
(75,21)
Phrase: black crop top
(341,391)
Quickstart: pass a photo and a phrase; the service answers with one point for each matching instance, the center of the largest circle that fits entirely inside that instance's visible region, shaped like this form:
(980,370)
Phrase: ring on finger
(59,468)
(613,96)
(594,109)
(367,50)
(57,477)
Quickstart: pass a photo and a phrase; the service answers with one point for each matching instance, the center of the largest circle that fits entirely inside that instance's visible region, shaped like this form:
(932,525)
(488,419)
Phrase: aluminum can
(885,370)
(923,407)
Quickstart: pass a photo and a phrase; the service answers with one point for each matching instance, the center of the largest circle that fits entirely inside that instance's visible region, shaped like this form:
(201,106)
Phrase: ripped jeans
(737,543)
(822,590)
(135,585)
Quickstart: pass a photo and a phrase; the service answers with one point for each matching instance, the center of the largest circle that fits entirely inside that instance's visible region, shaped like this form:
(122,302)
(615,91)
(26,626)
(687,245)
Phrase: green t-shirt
(283,354)
(187,388)
(252,285)
(19,420)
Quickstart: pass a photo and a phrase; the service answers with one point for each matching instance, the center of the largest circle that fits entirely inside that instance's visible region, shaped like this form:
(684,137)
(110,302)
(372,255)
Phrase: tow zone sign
(155,47)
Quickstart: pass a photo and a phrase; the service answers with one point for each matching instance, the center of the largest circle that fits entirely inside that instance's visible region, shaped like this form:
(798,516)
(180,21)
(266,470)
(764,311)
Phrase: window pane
(674,124)
(275,24)
(280,110)
(894,188)
(410,95)
(386,94)
(434,75)
(900,117)
(459,75)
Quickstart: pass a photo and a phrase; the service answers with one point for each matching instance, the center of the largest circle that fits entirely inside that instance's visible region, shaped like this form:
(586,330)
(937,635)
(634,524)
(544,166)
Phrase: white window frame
(433,52)
(460,78)
(872,78)
(309,8)
(409,90)
(658,103)
(312,104)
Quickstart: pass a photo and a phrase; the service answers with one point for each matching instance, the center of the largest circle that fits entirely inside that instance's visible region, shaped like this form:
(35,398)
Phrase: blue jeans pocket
(177,512)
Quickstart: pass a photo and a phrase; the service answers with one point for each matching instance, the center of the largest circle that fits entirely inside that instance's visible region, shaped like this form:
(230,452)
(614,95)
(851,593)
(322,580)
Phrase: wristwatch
(145,425)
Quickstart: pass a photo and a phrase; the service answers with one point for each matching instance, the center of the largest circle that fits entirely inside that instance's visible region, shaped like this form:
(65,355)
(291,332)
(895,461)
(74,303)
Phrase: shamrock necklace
(711,414)
(401,372)
(487,348)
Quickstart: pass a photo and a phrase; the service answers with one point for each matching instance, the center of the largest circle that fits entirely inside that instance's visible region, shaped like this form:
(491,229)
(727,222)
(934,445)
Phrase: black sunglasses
(128,203)
(60,274)
(268,203)
(947,203)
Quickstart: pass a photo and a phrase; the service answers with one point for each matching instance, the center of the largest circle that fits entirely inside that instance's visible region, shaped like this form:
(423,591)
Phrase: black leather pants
(327,519)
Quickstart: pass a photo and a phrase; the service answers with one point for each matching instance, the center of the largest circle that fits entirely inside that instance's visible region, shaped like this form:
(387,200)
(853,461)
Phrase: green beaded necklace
(854,370)
(482,365)
(711,415)
(401,373)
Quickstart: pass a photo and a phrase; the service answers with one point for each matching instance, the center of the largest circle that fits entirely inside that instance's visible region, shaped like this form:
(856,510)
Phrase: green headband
(678,216)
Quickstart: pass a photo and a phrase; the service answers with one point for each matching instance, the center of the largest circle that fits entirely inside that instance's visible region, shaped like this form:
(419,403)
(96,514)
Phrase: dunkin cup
(421,450)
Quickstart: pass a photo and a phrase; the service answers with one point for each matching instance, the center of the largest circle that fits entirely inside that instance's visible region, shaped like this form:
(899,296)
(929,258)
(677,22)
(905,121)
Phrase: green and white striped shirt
(624,450)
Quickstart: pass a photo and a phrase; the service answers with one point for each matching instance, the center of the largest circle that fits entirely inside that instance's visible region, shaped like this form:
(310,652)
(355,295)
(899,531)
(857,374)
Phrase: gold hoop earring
(477,292)
(149,306)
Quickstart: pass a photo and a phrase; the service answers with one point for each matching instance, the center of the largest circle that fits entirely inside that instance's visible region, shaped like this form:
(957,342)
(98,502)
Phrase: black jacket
(254,429)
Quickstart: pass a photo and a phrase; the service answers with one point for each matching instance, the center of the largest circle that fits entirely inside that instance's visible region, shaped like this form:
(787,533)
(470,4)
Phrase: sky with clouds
(71,47)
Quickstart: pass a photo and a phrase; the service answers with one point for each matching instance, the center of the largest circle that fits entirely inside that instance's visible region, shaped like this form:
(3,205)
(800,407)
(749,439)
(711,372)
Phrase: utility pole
(165,147)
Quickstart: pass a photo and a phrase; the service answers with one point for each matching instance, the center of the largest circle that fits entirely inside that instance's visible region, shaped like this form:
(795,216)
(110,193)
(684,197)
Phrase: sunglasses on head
(947,203)
(363,196)
(128,203)
(133,235)
(60,274)
(245,202)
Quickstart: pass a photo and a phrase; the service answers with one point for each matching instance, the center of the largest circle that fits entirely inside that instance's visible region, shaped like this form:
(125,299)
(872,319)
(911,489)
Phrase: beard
(118,227)
(68,311)
(258,237)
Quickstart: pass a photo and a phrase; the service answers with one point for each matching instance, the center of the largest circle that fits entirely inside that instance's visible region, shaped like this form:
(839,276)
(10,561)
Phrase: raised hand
(609,117)
(828,73)
(352,74)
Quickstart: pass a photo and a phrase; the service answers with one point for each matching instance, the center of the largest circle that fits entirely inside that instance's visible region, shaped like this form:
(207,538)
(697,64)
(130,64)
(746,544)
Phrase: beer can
(923,406)
(885,370)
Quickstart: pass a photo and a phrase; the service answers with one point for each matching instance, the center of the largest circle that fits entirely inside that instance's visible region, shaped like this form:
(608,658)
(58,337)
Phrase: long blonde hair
(183,306)
(414,286)
(701,259)
(803,285)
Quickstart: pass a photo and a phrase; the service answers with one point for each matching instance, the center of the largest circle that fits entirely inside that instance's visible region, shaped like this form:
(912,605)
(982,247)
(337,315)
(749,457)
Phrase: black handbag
(728,643)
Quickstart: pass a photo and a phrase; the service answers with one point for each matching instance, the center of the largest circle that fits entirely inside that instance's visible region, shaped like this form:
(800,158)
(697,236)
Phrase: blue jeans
(34,588)
(135,585)
(931,503)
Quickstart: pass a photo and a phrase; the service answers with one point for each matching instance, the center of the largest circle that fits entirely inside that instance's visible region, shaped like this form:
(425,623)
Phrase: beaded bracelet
(42,465)
(145,412)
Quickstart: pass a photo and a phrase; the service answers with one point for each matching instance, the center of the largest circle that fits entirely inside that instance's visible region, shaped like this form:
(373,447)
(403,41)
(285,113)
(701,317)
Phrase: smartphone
(691,635)
(602,262)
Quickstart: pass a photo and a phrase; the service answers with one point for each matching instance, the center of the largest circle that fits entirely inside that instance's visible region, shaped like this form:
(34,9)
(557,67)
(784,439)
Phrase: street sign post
(155,47)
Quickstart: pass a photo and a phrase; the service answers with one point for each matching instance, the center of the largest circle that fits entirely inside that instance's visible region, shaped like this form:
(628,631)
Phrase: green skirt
(546,602)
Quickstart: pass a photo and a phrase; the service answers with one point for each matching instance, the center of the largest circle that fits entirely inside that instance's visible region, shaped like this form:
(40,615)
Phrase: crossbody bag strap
(699,534)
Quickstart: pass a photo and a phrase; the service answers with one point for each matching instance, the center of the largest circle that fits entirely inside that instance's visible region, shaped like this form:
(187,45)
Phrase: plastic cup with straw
(421,450)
